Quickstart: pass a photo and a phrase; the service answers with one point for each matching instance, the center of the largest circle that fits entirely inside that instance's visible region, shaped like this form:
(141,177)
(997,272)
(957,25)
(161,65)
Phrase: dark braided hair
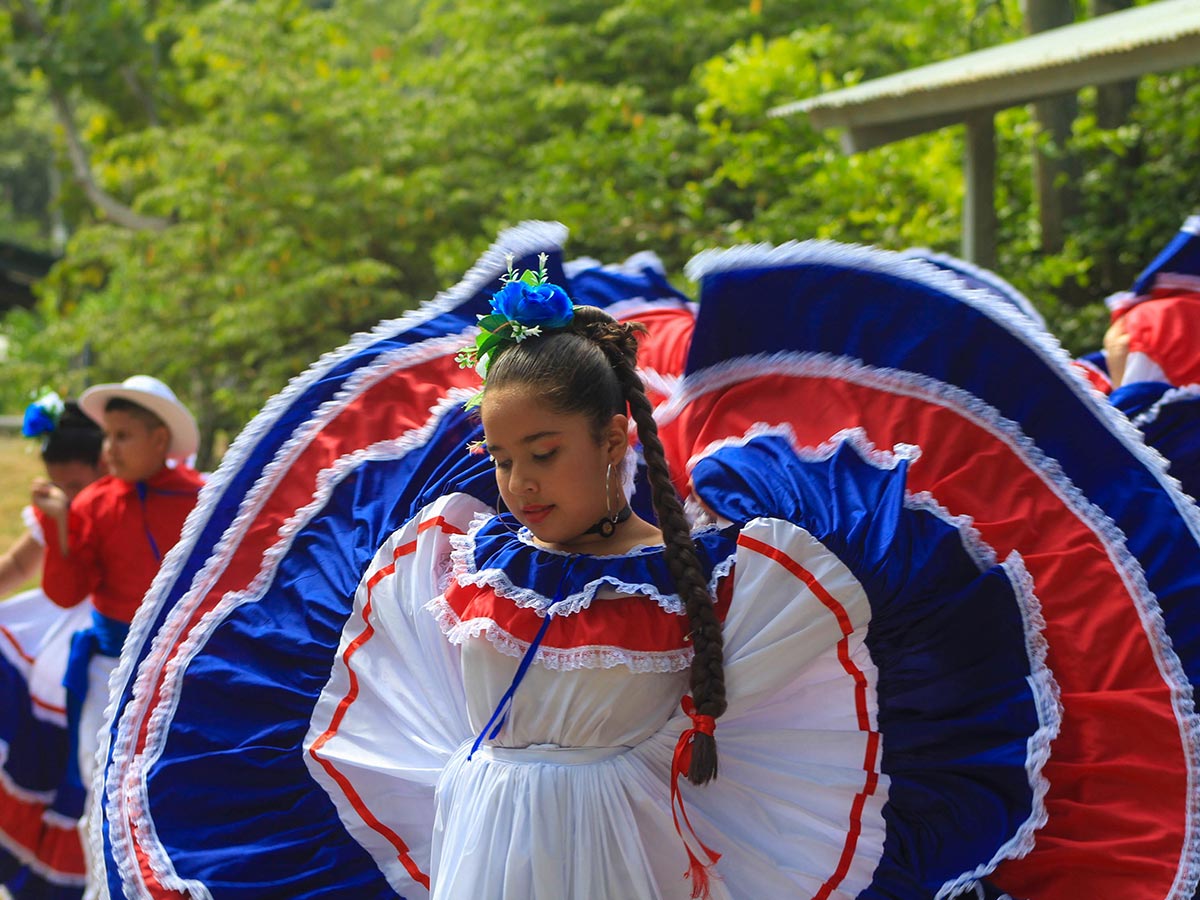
(590,367)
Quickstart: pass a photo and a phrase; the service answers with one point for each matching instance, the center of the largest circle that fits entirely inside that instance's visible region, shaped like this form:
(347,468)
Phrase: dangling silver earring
(607,526)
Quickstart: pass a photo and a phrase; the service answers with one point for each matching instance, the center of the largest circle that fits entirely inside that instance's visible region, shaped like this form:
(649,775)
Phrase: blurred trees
(267,177)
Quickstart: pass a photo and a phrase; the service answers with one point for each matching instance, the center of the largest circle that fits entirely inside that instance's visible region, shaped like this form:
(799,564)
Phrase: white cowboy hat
(147,391)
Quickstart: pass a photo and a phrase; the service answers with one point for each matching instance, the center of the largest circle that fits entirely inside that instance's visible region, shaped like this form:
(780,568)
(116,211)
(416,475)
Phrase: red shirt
(112,558)
(1167,329)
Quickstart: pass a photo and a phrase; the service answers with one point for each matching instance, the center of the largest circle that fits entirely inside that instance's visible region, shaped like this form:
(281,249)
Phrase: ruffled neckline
(497,552)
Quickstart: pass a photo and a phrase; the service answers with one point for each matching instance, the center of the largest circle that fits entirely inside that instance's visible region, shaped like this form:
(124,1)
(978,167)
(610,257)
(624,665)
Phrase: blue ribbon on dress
(500,713)
(105,637)
(143,490)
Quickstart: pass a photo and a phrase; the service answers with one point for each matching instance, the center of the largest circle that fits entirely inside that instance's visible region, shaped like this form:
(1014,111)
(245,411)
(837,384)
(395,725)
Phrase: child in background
(108,542)
(1152,335)
(70,451)
(40,848)
(1152,351)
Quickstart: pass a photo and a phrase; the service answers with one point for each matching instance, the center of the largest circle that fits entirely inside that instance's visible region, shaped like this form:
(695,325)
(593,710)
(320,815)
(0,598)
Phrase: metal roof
(1150,38)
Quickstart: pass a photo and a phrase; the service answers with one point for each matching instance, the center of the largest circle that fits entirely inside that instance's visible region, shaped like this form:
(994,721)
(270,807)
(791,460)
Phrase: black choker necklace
(607,526)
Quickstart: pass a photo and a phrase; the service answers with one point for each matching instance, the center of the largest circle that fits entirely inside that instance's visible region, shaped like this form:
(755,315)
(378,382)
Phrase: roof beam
(971,89)
(1110,48)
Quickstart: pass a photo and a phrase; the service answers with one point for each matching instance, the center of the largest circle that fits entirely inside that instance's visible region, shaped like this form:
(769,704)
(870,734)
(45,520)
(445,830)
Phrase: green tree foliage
(27,178)
(306,169)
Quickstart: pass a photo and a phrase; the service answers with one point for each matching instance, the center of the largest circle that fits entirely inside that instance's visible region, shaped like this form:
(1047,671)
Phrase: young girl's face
(551,469)
(73,475)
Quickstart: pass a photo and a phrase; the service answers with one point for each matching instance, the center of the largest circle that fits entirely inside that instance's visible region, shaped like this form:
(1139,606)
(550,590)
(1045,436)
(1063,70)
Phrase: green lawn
(20,464)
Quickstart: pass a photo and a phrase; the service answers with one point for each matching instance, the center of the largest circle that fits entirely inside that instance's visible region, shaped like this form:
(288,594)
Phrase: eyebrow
(528,439)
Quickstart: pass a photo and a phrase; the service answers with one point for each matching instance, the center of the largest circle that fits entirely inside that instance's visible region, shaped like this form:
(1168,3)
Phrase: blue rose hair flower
(533,305)
(526,305)
(41,416)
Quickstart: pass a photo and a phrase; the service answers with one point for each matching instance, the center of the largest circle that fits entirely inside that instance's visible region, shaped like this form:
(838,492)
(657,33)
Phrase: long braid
(708,663)
(591,367)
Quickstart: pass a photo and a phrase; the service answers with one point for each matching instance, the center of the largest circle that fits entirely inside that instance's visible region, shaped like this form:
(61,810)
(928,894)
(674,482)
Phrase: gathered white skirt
(548,823)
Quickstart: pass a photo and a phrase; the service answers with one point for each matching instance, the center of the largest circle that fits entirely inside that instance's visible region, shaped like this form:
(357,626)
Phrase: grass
(20,464)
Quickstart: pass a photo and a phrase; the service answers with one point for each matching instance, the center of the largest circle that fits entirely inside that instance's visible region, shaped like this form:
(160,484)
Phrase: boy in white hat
(108,542)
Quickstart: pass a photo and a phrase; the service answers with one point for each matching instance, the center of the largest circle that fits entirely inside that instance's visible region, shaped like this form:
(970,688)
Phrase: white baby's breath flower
(520,332)
(52,403)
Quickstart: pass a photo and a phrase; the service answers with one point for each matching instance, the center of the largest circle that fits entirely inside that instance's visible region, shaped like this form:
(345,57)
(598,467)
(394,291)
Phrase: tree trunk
(81,164)
(1055,173)
(1114,101)
(1114,104)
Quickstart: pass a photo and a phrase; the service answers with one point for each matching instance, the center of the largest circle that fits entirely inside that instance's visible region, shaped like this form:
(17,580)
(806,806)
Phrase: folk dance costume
(57,659)
(63,643)
(1160,391)
(40,850)
(354,678)
(974,277)
(118,533)
(1162,313)
(1169,419)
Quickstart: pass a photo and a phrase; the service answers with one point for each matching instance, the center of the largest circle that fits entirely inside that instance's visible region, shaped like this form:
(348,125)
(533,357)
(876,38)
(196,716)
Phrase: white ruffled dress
(572,797)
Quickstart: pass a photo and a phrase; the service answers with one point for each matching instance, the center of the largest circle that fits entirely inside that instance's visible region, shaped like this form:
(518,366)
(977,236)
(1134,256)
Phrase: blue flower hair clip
(526,306)
(42,415)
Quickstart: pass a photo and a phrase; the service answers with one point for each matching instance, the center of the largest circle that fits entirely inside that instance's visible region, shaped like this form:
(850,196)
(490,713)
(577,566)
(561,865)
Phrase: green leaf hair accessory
(526,306)
(42,415)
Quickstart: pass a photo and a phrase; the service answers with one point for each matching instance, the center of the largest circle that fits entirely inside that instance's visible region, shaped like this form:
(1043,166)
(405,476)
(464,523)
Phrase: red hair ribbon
(698,871)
